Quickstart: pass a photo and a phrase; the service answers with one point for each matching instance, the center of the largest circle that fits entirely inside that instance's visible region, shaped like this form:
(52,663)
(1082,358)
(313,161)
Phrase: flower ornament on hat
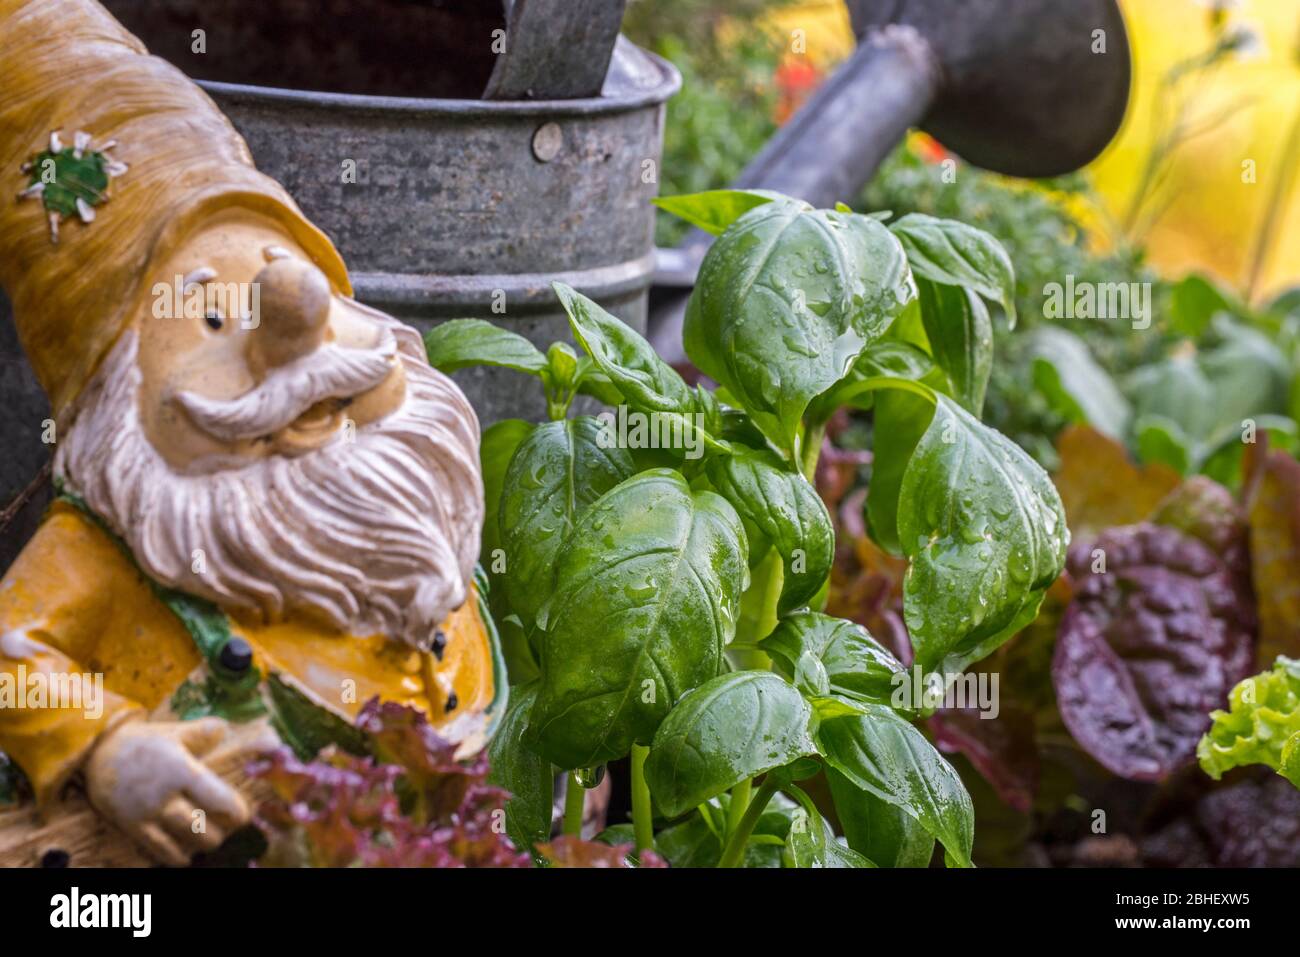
(71,180)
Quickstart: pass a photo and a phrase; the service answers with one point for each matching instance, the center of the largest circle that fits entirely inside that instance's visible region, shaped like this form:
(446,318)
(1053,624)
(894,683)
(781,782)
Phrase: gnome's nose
(294,311)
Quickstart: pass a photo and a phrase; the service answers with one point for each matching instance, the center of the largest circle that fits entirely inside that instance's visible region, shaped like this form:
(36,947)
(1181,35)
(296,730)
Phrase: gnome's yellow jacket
(74,603)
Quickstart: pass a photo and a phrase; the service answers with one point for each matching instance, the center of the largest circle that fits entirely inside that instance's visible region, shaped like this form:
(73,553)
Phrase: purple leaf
(1148,647)
(1253,823)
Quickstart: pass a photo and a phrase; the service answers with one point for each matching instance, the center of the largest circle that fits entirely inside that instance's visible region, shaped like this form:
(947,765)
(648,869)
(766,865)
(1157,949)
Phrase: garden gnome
(269,504)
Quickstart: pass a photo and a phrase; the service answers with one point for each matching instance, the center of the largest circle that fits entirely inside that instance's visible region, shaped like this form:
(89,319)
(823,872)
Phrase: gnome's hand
(150,780)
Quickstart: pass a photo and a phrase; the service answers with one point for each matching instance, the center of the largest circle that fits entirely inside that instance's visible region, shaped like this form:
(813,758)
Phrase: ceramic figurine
(269,504)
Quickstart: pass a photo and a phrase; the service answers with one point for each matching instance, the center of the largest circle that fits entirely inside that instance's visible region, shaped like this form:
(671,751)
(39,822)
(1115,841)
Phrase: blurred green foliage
(725,111)
(1047,243)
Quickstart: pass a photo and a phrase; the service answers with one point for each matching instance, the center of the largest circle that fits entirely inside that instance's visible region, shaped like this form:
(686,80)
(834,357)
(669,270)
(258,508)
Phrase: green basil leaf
(787,298)
(826,707)
(985,532)
(716,209)
(812,843)
(979,648)
(881,831)
(882,753)
(695,843)
(961,337)
(900,420)
(558,470)
(459,343)
(528,776)
(647,382)
(954,254)
(787,510)
(810,648)
(689,844)
(647,590)
(591,381)
(561,365)
(498,446)
(894,360)
(726,731)
(887,359)
(1075,385)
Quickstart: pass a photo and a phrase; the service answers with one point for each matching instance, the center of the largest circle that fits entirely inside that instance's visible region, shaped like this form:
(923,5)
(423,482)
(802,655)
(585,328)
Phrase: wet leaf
(985,531)
(786,300)
(880,831)
(961,337)
(716,209)
(787,512)
(459,343)
(726,731)
(954,254)
(526,775)
(838,655)
(647,382)
(813,844)
(647,590)
(557,471)
(1148,648)
(882,753)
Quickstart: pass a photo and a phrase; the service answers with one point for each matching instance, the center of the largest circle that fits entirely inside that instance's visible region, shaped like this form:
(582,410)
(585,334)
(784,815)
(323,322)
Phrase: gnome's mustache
(331,371)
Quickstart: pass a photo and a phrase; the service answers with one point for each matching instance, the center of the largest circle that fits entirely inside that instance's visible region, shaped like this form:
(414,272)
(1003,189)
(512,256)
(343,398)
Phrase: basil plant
(658,569)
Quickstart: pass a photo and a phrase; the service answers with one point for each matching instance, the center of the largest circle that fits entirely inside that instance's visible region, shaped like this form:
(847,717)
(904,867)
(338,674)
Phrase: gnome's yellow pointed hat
(68,66)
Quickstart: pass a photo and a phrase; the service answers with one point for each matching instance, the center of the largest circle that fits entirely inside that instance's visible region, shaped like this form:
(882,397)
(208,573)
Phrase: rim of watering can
(670,81)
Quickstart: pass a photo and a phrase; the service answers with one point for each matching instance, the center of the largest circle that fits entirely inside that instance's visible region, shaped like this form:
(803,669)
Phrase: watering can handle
(555,49)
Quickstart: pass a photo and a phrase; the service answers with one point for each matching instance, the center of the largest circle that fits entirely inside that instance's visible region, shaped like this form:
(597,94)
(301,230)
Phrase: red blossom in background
(928,148)
(796,80)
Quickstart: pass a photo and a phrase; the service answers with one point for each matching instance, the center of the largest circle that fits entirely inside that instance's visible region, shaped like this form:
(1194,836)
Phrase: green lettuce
(1262,725)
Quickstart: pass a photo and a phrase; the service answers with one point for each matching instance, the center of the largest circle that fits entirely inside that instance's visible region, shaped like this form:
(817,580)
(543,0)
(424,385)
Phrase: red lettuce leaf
(1003,749)
(1149,647)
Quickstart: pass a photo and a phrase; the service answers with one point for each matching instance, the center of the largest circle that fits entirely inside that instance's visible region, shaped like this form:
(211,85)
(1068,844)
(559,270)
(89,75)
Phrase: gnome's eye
(214,320)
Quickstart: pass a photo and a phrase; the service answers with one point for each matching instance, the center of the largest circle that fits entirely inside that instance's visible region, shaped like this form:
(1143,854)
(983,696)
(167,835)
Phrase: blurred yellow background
(1210,213)
(1213,216)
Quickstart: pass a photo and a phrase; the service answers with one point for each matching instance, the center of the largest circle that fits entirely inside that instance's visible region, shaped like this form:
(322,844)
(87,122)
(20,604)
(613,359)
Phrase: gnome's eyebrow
(200,275)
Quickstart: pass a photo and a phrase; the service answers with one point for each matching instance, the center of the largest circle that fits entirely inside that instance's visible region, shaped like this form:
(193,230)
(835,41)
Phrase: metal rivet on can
(547,141)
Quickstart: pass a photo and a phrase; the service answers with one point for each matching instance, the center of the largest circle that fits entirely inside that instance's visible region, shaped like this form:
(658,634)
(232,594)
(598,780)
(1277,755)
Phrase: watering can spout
(555,49)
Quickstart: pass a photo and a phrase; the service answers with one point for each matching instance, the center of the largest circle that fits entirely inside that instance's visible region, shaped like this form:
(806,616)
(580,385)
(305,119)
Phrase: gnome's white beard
(378,534)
